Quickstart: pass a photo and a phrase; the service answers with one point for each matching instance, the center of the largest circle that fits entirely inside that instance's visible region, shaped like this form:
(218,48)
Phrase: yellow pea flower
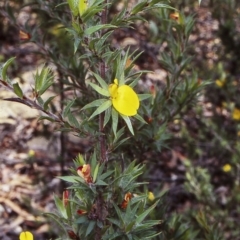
(227,168)
(151,196)
(26,236)
(124,99)
(82,6)
(236,114)
(220,83)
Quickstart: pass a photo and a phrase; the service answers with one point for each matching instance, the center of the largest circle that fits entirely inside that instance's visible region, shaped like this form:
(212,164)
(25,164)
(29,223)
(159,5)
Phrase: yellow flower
(220,83)
(26,236)
(124,99)
(236,114)
(151,196)
(82,6)
(227,168)
(31,153)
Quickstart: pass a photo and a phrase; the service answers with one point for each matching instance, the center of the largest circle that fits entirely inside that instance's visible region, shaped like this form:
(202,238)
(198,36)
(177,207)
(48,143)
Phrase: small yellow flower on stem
(31,153)
(85,172)
(124,99)
(220,83)
(227,168)
(236,114)
(126,200)
(26,236)
(151,196)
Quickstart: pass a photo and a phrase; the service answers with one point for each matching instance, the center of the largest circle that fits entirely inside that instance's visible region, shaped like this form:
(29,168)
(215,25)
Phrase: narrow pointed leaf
(17,90)
(144,96)
(100,90)
(67,108)
(142,216)
(140,119)
(95,172)
(45,105)
(107,116)
(5,67)
(101,81)
(93,29)
(95,103)
(114,121)
(128,122)
(101,108)
(91,225)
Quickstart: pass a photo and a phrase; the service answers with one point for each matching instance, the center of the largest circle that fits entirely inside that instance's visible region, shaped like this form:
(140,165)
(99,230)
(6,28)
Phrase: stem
(62,133)
(102,138)
(102,69)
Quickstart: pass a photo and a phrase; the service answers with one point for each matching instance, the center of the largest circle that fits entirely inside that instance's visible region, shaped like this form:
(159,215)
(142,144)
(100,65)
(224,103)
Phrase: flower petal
(26,236)
(126,101)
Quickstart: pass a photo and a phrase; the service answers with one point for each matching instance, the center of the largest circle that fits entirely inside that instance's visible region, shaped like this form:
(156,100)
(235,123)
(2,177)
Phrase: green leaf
(43,80)
(140,119)
(72,120)
(119,143)
(82,219)
(45,105)
(72,179)
(93,29)
(47,118)
(60,206)
(100,90)
(101,183)
(105,175)
(142,216)
(57,220)
(73,4)
(144,96)
(4,68)
(90,12)
(107,116)
(79,160)
(95,172)
(114,121)
(91,225)
(40,101)
(139,7)
(128,122)
(100,81)
(67,108)
(101,108)
(76,44)
(95,103)
(17,90)
(119,213)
